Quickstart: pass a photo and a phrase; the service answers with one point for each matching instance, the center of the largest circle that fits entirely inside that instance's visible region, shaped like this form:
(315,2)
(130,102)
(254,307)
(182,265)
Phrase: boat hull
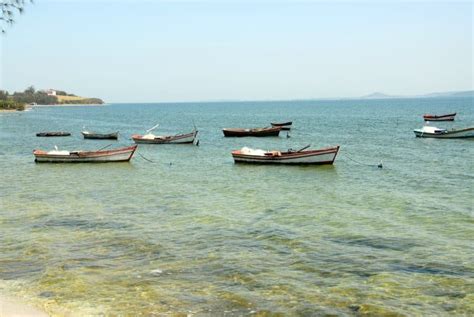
(448,134)
(312,157)
(100,136)
(446,117)
(260,132)
(187,138)
(52,134)
(284,125)
(117,155)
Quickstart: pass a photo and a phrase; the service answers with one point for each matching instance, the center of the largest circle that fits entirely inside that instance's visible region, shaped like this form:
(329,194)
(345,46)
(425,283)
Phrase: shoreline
(14,307)
(70,105)
(9,110)
(51,106)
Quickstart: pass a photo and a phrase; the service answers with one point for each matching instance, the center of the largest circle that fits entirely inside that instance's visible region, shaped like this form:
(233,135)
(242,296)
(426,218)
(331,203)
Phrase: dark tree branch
(8,8)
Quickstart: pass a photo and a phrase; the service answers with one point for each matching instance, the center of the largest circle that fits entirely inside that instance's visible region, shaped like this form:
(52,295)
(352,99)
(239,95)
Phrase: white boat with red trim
(101,156)
(301,157)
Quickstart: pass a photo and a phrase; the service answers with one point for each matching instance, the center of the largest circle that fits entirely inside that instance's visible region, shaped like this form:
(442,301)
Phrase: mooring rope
(380,165)
(148,160)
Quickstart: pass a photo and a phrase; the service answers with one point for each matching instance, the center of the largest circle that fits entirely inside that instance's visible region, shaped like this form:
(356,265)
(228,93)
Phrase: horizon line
(443,94)
(295,99)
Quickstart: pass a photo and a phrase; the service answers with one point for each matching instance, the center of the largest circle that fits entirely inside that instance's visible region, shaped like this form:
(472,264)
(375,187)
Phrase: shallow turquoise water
(193,233)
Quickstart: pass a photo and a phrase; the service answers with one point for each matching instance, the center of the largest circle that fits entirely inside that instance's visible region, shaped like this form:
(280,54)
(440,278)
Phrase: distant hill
(379,95)
(467,93)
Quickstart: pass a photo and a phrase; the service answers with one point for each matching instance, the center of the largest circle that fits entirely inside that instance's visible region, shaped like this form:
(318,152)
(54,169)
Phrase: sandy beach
(70,105)
(11,307)
(8,110)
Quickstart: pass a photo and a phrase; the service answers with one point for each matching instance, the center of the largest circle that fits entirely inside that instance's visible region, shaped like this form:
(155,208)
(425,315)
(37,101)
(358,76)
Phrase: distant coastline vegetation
(20,100)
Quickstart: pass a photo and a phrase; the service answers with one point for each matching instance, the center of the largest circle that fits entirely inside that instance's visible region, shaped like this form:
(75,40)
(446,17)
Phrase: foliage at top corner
(9,9)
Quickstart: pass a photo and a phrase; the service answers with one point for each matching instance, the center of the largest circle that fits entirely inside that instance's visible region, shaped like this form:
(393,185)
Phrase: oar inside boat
(303,148)
(154,127)
(104,147)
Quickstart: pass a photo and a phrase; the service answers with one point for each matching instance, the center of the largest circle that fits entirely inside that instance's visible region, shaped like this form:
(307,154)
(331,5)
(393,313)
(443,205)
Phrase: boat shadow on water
(321,168)
(125,166)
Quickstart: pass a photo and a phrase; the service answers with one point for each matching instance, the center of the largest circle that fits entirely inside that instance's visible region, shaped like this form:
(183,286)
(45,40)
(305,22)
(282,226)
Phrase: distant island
(20,100)
(380,95)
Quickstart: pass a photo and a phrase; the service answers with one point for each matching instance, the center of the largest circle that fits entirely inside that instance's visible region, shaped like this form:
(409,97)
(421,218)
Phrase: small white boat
(434,132)
(301,157)
(150,138)
(61,156)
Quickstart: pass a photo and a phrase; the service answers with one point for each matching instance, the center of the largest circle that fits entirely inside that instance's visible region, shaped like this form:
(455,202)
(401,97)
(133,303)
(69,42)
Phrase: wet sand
(11,307)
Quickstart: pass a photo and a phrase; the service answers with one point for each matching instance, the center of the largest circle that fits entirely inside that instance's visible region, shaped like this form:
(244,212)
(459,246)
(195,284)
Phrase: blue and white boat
(434,132)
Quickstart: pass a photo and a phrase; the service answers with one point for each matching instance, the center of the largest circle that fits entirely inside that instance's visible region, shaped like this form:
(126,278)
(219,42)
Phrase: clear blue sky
(147,51)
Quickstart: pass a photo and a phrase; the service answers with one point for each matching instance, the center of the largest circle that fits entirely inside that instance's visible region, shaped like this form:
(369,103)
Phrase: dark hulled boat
(258,132)
(444,117)
(100,136)
(283,125)
(52,134)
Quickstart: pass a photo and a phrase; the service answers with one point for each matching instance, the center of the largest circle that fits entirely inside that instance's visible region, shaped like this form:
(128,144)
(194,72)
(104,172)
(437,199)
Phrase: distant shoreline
(29,107)
(9,110)
(70,105)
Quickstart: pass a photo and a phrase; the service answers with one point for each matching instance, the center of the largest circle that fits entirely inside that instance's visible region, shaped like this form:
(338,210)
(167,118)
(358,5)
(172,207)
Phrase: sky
(178,51)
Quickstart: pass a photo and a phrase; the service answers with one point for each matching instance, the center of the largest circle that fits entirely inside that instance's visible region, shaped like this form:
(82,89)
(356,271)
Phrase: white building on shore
(51,92)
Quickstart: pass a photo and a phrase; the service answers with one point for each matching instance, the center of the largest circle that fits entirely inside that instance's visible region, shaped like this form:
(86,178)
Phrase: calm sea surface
(192,233)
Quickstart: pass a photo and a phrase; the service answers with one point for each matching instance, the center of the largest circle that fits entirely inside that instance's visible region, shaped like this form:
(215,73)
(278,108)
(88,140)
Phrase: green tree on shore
(30,90)
(30,95)
(7,103)
(3,95)
(18,100)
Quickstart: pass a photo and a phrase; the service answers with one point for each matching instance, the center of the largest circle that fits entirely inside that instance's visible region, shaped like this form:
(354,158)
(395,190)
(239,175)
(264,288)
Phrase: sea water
(187,231)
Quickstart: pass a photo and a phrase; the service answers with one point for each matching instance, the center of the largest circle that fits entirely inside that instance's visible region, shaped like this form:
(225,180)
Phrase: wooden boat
(100,136)
(434,132)
(283,125)
(258,132)
(53,133)
(166,139)
(302,157)
(56,156)
(444,117)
